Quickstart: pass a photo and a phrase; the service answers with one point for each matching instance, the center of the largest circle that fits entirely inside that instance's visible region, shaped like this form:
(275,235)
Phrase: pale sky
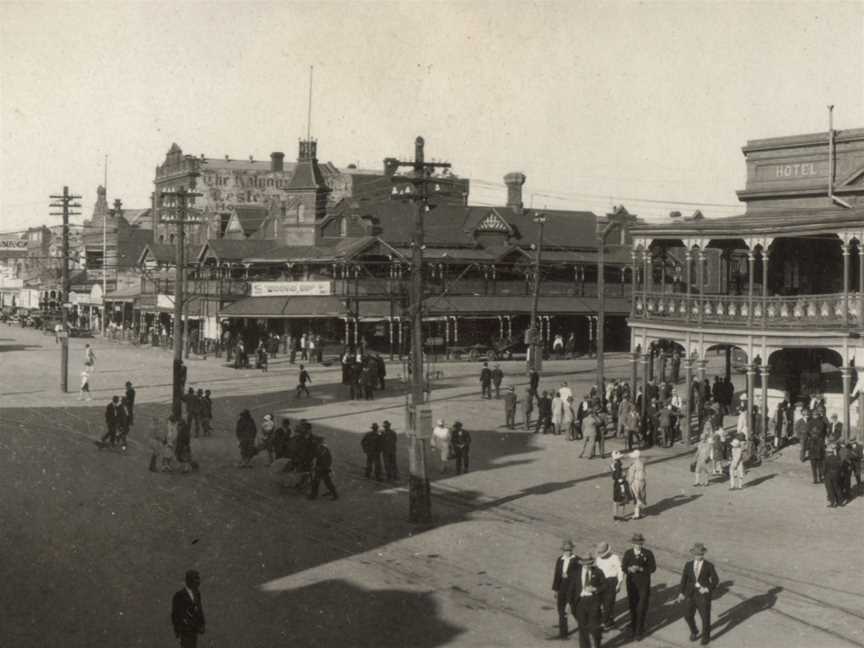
(597,103)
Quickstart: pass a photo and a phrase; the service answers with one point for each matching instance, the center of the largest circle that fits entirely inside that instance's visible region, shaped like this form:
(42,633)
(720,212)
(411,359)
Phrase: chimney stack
(391,164)
(277,161)
(514,182)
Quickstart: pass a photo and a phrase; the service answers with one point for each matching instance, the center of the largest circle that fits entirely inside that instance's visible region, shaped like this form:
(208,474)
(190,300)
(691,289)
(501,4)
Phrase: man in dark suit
(187,612)
(566,567)
(586,592)
(638,564)
(485,381)
(113,418)
(816,452)
(833,476)
(698,581)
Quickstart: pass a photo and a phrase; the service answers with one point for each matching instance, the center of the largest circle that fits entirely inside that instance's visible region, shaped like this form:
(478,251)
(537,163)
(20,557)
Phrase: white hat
(635,454)
(440,423)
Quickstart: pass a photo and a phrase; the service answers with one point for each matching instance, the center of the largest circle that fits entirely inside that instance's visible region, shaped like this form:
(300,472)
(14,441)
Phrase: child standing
(302,381)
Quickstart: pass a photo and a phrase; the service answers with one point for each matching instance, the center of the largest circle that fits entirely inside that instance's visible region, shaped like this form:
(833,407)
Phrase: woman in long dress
(441,442)
(557,412)
(703,458)
(568,419)
(636,481)
(621,495)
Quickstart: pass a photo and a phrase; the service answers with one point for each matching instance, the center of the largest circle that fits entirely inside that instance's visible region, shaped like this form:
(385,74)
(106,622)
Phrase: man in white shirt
(610,564)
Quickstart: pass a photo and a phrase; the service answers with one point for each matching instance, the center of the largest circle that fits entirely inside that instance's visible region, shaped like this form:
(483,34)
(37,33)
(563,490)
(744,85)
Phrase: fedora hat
(567,544)
(603,550)
(698,549)
(637,538)
(587,560)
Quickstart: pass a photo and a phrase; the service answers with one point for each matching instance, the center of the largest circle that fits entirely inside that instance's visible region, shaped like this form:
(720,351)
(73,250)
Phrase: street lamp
(536,361)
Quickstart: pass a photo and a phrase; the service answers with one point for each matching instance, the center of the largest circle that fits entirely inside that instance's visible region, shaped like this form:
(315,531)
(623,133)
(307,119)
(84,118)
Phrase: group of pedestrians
(377,443)
(119,418)
(590,585)
(451,444)
(363,374)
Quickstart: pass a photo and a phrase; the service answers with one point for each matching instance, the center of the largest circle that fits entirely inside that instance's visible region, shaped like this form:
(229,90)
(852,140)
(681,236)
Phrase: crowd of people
(589,586)
(363,373)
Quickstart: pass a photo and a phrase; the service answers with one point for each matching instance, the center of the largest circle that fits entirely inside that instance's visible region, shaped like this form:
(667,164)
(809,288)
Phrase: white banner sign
(290,288)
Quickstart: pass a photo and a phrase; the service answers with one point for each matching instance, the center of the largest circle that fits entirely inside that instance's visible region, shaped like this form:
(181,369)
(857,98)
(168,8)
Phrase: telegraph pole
(67,205)
(179,207)
(534,335)
(418,187)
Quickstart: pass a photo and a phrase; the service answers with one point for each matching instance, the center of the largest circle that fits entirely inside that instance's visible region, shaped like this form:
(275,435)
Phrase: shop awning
(521,304)
(286,307)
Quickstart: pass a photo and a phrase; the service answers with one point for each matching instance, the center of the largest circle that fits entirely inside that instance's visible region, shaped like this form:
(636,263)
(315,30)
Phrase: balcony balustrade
(799,311)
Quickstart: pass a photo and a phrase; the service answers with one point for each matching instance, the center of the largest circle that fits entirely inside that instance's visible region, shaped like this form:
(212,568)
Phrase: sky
(642,104)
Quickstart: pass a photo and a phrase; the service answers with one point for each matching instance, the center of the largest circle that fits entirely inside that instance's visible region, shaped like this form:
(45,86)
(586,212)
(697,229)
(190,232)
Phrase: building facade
(795,309)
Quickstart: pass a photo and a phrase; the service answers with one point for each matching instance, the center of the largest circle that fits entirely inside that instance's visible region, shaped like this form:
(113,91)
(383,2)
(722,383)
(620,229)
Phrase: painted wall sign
(797,170)
(14,244)
(290,288)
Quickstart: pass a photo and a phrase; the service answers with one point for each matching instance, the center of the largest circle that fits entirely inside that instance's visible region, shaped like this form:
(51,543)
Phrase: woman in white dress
(557,412)
(441,442)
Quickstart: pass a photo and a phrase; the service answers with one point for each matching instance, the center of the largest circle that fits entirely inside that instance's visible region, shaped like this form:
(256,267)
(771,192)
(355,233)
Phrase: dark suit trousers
(816,469)
(833,489)
(561,600)
(373,462)
(637,598)
(588,617)
(700,603)
(608,601)
(188,640)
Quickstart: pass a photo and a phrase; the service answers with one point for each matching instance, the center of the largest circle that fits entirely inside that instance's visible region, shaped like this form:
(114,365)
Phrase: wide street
(94,544)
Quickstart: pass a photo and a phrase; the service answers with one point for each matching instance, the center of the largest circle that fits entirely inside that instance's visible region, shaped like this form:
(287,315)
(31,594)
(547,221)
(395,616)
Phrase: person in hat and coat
(698,581)
(510,407)
(566,566)
(620,488)
(246,431)
(638,565)
(586,591)
(372,445)
(460,440)
(610,564)
(388,447)
(736,467)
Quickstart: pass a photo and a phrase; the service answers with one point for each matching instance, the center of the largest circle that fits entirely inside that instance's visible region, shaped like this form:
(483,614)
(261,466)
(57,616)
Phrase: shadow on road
(738,614)
(359,617)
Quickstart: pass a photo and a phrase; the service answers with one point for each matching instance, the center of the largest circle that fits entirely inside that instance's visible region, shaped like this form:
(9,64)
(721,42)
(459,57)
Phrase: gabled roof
(232,250)
(791,222)
(163,253)
(248,218)
(338,250)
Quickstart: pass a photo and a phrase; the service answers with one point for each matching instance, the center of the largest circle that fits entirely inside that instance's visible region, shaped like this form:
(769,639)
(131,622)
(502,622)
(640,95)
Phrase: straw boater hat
(638,538)
(603,550)
(698,549)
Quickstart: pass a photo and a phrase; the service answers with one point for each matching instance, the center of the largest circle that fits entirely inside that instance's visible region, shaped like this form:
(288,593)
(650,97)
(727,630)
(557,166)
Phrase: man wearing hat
(638,565)
(698,581)
(586,591)
(610,564)
(833,469)
(566,567)
(510,407)
(460,440)
(372,445)
(388,447)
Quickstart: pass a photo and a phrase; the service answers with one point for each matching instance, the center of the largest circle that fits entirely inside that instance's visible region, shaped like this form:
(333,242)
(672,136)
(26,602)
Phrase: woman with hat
(610,564)
(703,457)
(441,442)
(736,467)
(621,495)
(636,481)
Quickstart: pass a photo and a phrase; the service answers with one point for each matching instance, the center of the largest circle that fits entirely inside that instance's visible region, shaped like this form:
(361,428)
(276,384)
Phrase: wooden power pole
(179,204)
(419,187)
(67,204)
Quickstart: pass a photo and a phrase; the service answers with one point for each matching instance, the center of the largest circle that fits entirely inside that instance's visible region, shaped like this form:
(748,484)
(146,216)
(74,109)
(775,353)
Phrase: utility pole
(67,205)
(418,187)
(618,221)
(179,206)
(534,336)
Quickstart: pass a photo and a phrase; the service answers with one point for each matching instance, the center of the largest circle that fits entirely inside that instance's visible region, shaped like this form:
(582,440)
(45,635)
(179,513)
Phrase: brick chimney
(277,161)
(514,182)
